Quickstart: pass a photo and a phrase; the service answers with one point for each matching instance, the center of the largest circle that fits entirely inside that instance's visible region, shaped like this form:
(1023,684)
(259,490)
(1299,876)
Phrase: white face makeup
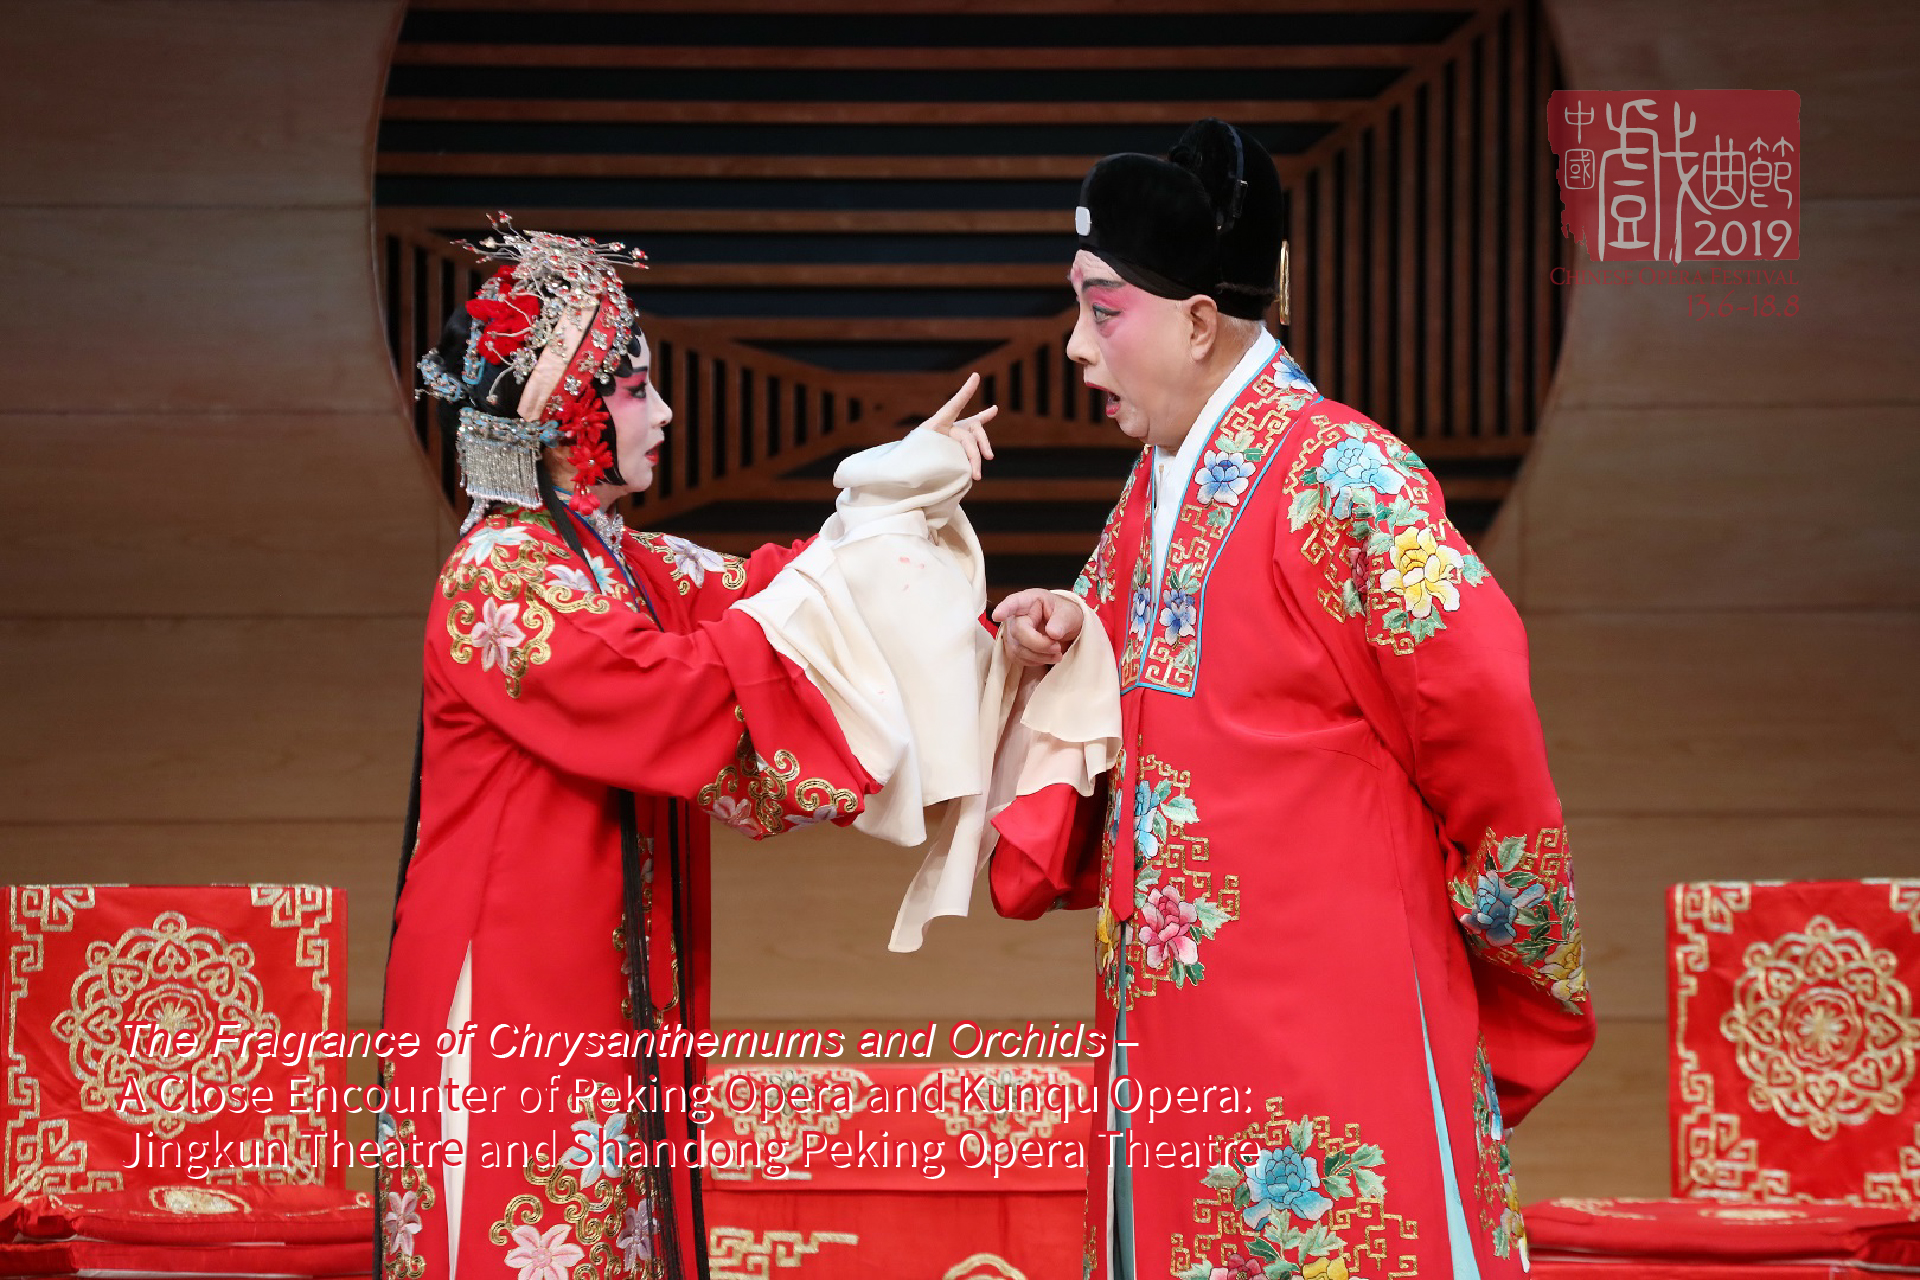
(640,417)
(1136,347)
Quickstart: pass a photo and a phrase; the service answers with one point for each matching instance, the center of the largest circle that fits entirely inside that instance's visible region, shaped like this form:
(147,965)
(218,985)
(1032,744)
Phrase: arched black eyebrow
(1099,282)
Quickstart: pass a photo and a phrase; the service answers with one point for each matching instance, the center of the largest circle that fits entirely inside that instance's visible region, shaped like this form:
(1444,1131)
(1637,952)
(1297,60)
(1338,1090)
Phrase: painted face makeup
(640,419)
(1129,344)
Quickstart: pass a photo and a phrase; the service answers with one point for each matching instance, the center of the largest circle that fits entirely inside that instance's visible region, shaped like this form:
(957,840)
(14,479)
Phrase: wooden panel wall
(1722,632)
(223,533)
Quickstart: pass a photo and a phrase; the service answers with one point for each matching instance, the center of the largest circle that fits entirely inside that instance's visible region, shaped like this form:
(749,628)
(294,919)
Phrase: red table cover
(1558,1268)
(197,1215)
(97,1257)
(1795,1041)
(823,1221)
(86,960)
(1698,1231)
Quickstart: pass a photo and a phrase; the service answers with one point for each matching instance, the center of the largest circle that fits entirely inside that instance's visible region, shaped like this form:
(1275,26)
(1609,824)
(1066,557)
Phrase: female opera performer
(587,689)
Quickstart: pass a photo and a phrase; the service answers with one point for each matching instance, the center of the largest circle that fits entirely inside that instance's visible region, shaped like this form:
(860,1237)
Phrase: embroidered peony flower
(1569,974)
(1140,612)
(1326,1269)
(1144,840)
(548,1256)
(1223,477)
(692,559)
(1180,615)
(488,537)
(1424,572)
(1497,906)
(637,1230)
(598,1150)
(1283,1180)
(1238,1266)
(497,634)
(402,1222)
(1357,464)
(1166,926)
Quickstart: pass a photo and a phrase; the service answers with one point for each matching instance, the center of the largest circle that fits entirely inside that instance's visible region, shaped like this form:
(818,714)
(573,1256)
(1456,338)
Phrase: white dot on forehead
(1082,221)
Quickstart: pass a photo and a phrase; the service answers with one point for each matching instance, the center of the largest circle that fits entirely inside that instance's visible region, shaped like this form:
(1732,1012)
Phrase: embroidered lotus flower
(1166,927)
(1497,906)
(1140,612)
(497,634)
(1179,616)
(1568,973)
(692,559)
(489,537)
(637,1230)
(1238,1266)
(544,1256)
(598,1150)
(402,1222)
(1283,1180)
(1224,477)
(1424,572)
(1357,464)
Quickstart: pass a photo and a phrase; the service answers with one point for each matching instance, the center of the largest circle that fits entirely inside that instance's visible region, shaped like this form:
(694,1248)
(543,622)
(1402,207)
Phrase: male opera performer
(1332,871)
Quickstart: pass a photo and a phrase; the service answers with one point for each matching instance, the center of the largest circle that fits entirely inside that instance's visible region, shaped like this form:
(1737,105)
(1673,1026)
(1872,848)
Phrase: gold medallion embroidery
(1823,1029)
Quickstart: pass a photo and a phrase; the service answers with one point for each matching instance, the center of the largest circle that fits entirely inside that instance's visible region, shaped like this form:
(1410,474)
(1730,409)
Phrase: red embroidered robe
(547,686)
(1338,842)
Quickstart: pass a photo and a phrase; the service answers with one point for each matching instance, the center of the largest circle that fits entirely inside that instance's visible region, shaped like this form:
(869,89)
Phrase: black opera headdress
(1209,219)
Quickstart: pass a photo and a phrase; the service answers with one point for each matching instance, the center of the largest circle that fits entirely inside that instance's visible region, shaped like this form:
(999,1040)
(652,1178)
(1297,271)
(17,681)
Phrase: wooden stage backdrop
(225,525)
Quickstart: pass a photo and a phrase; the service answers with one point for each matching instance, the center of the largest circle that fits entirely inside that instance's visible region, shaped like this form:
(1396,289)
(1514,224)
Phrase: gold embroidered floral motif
(689,563)
(606,1227)
(1714,1156)
(1516,905)
(846,1087)
(1495,1191)
(1312,1202)
(179,978)
(1368,505)
(521,587)
(1823,1028)
(761,797)
(1178,904)
(403,1192)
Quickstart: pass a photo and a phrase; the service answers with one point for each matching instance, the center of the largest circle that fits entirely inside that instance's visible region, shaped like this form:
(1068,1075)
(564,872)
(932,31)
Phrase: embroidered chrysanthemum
(1425,571)
(544,1256)
(1568,973)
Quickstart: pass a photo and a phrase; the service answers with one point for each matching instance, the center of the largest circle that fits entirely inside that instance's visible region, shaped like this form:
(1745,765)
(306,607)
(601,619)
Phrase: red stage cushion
(183,1215)
(97,1257)
(862,1222)
(1699,1231)
(1794,1041)
(86,962)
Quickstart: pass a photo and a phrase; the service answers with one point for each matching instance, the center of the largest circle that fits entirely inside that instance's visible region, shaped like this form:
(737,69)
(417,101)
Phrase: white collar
(1169,464)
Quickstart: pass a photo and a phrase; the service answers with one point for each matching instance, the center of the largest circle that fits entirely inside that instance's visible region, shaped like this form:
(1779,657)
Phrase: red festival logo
(1679,176)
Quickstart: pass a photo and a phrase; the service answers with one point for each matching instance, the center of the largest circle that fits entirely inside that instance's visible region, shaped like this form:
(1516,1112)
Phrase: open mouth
(1110,403)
